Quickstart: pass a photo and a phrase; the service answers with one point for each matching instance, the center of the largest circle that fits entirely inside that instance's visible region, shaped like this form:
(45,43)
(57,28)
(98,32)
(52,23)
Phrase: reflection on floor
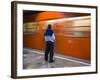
(34,59)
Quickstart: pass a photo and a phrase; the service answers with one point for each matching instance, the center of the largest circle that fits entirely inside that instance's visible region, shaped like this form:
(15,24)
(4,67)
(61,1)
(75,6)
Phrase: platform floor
(34,59)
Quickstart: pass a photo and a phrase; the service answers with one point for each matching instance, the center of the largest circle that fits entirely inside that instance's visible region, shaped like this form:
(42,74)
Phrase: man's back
(49,35)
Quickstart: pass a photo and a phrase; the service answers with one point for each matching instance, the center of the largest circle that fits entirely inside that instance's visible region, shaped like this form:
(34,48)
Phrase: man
(49,38)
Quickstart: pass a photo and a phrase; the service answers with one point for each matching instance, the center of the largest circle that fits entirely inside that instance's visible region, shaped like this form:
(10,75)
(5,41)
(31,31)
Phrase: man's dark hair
(49,26)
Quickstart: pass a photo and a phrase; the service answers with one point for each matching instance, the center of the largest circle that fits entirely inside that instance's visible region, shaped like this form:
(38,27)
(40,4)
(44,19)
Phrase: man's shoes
(51,61)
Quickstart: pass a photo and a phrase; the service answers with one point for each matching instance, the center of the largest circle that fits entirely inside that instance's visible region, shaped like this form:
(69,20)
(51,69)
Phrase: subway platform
(34,59)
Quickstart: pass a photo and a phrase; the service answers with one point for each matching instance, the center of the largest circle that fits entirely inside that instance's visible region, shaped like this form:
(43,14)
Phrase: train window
(30,28)
(76,27)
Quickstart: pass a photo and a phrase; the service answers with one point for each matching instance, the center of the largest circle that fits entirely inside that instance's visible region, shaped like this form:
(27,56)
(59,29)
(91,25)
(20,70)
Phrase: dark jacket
(48,32)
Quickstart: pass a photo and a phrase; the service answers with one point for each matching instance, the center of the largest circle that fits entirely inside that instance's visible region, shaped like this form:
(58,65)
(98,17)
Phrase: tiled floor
(34,59)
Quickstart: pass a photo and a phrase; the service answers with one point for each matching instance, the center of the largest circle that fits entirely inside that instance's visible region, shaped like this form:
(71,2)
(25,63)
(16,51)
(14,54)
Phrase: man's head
(49,26)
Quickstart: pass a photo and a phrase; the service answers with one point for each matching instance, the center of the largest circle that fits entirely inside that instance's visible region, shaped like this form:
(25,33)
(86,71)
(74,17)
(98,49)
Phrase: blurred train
(72,32)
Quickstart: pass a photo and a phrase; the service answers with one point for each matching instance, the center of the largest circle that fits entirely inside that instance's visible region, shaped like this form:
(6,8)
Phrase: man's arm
(53,36)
